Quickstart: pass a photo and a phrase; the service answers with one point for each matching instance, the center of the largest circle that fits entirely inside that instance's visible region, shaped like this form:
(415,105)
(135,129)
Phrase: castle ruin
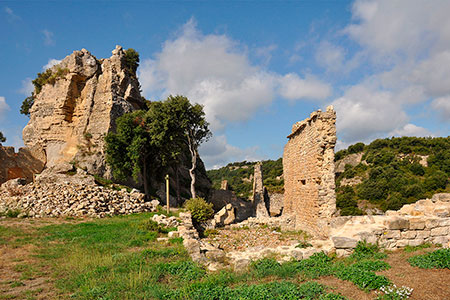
(308,168)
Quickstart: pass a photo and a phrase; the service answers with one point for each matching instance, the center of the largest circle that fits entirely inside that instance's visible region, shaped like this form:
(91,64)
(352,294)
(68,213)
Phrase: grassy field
(119,258)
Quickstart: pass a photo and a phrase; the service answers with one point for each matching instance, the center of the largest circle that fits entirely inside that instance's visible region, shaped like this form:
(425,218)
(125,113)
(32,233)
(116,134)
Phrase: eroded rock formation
(259,193)
(70,118)
(18,165)
(308,164)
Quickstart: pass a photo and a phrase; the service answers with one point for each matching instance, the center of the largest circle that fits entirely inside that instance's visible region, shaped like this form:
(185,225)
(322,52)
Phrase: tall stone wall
(18,165)
(308,164)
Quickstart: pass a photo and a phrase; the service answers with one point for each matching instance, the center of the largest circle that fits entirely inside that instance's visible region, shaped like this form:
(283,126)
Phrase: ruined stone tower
(259,193)
(308,164)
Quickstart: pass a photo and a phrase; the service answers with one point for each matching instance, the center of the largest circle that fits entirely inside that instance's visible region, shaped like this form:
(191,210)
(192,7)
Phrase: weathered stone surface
(275,204)
(343,242)
(308,170)
(70,118)
(392,234)
(18,165)
(225,216)
(444,197)
(440,231)
(408,234)
(416,224)
(352,159)
(259,193)
(397,223)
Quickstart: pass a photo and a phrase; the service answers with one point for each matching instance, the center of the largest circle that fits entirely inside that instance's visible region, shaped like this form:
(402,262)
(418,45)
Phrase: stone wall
(259,197)
(426,221)
(308,164)
(18,165)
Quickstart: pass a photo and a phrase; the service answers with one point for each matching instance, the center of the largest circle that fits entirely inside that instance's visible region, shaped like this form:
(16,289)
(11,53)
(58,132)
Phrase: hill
(384,175)
(240,176)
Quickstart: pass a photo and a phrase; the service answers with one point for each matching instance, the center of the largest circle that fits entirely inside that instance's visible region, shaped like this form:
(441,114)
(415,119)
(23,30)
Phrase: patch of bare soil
(345,288)
(429,284)
(240,239)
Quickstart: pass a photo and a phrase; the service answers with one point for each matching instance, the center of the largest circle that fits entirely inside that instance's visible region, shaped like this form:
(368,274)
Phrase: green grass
(120,258)
(439,259)
(409,248)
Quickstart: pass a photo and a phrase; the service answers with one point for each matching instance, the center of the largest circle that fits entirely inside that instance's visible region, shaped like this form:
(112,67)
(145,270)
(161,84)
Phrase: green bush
(439,259)
(265,267)
(366,250)
(150,225)
(131,60)
(200,209)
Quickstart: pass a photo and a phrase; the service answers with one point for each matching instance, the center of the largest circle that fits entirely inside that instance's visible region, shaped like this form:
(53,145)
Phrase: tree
(128,150)
(154,139)
(26,105)
(193,129)
(2,138)
(131,60)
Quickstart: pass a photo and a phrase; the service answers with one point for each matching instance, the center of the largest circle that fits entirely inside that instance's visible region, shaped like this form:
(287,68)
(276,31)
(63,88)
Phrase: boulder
(344,242)
(225,216)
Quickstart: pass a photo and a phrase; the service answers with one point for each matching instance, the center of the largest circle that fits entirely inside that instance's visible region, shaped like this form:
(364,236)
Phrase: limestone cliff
(70,118)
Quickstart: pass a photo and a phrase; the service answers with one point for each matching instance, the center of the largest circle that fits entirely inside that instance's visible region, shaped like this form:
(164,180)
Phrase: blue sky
(256,66)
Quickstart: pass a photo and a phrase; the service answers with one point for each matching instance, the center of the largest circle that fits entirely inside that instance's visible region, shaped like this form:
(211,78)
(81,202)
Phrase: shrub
(358,147)
(366,250)
(439,259)
(201,210)
(131,60)
(265,267)
(436,180)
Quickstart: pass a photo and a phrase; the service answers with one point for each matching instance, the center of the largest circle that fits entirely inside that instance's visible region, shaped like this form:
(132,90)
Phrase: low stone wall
(426,221)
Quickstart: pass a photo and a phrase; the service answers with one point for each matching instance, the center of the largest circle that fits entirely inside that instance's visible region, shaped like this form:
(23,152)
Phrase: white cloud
(330,56)
(51,62)
(215,71)
(292,87)
(364,113)
(11,15)
(411,130)
(442,106)
(217,152)
(27,87)
(3,107)
(407,45)
(265,53)
(48,37)
(388,28)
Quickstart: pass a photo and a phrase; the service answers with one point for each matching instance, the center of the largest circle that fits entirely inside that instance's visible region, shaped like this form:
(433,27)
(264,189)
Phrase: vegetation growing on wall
(2,138)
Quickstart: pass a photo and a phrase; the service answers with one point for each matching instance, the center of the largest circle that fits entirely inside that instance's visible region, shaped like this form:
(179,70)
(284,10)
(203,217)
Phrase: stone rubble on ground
(71,197)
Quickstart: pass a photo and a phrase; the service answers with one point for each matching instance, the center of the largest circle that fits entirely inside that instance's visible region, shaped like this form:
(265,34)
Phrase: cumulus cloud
(51,62)
(3,107)
(217,152)
(411,130)
(407,45)
(48,37)
(365,113)
(292,87)
(442,106)
(216,71)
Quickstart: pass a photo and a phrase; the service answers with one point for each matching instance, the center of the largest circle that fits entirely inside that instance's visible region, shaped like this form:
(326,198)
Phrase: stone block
(173,234)
(297,254)
(444,197)
(397,223)
(308,252)
(423,234)
(408,235)
(432,223)
(416,242)
(439,231)
(442,240)
(402,243)
(241,264)
(444,222)
(392,234)
(416,223)
(343,242)
(343,252)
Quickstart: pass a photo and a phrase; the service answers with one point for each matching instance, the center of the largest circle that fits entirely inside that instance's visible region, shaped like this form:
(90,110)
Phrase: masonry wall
(18,165)
(308,170)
